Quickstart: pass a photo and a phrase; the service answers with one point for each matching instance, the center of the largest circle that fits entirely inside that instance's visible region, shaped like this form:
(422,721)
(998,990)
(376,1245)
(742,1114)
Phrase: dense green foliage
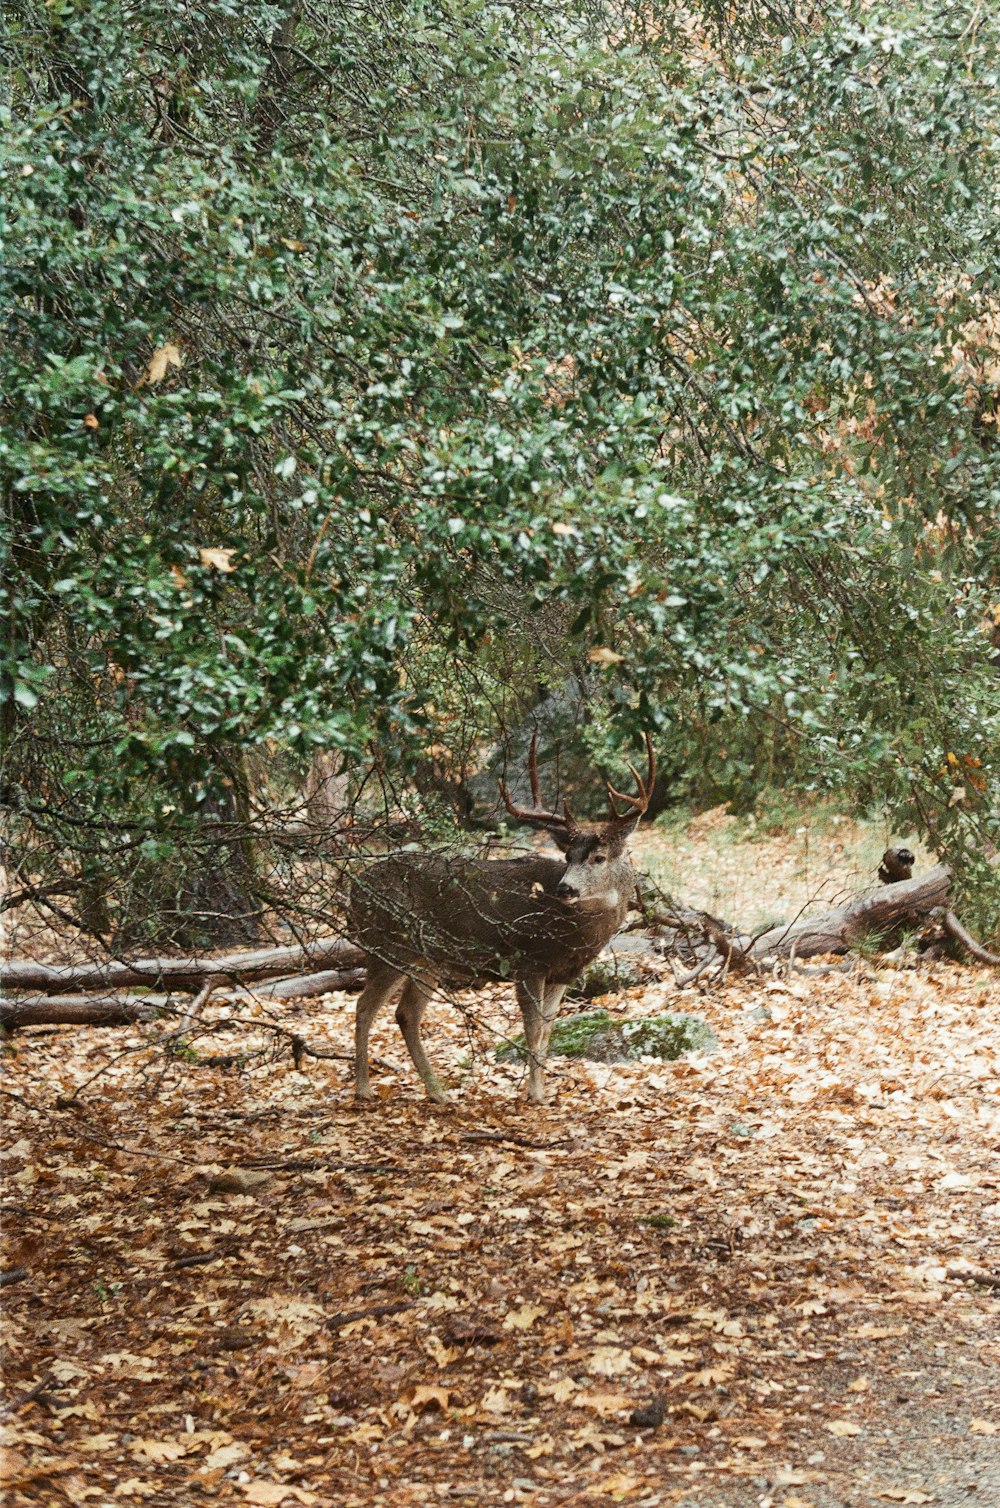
(370,368)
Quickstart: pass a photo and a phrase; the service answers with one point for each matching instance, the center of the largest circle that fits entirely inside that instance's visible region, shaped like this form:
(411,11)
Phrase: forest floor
(784,1253)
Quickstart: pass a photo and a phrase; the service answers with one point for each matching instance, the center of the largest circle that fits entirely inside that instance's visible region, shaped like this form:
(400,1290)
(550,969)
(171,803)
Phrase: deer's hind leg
(409,1014)
(380,986)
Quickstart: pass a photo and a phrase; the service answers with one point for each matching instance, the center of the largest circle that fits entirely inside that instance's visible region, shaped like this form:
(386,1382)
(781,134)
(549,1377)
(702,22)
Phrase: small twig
(314,1164)
(228,1059)
(683,980)
(22,1209)
(342,1057)
(300,1048)
(116,1146)
(19,1097)
(501,1136)
(17,1404)
(202,995)
(13,1275)
(735,958)
(200,1258)
(146,1046)
(378,1311)
(974,1275)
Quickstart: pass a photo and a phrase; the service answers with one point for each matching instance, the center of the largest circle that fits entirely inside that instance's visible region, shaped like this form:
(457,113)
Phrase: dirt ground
(768,1275)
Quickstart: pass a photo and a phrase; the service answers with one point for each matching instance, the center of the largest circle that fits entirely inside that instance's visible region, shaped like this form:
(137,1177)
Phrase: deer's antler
(638,803)
(537,816)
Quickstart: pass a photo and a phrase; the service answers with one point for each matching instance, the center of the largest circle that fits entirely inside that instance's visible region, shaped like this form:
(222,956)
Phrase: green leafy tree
(363,363)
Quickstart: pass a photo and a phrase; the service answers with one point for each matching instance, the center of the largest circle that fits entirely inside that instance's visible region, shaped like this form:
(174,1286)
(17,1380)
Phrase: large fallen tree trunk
(878,918)
(261,963)
(891,909)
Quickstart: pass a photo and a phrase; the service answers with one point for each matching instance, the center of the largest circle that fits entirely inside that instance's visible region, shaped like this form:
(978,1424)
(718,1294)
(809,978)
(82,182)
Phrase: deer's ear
(615,835)
(562,838)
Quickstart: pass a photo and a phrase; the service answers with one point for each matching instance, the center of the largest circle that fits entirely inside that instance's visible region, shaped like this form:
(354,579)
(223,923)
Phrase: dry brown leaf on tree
(160,363)
(217,560)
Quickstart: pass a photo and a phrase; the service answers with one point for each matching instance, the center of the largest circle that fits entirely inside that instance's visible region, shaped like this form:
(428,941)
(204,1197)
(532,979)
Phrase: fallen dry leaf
(842,1427)
(616,1485)
(99,1443)
(13,1464)
(609,1361)
(711,1377)
(524,1318)
(602,1403)
(159,1450)
(428,1397)
(271,1494)
(226,1455)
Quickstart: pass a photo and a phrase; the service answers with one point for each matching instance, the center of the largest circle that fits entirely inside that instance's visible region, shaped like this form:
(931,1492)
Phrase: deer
(426,919)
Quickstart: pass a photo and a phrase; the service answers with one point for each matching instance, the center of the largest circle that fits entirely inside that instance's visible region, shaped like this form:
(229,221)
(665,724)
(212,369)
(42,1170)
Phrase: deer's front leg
(539,1007)
(553,1000)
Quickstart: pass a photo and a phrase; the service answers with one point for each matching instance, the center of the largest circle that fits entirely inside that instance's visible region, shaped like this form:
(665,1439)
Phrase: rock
(648,1417)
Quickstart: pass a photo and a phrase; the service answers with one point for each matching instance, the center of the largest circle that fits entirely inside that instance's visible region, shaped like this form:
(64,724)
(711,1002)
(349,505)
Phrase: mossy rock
(594,1035)
(668,1036)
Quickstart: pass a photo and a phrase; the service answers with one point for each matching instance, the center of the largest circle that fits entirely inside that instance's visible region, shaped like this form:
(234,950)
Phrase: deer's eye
(598,858)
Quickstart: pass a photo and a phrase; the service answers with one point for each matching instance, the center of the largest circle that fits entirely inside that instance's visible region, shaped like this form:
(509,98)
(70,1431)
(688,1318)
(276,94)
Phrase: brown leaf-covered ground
(785,1255)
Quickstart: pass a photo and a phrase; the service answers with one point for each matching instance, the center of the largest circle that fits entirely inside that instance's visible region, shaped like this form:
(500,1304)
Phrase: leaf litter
(782,1259)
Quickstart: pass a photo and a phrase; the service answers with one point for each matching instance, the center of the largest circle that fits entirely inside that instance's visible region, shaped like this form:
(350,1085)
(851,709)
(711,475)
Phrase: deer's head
(597,867)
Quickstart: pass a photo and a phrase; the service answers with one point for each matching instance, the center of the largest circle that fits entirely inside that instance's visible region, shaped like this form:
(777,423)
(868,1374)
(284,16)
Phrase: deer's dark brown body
(482,920)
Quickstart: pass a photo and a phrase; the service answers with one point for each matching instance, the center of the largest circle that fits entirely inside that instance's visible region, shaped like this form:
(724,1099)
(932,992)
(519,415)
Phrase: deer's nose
(567,892)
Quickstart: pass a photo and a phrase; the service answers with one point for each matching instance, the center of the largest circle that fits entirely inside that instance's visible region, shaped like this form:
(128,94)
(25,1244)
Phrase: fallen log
(303,985)
(70,1010)
(261,963)
(126,1009)
(891,908)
